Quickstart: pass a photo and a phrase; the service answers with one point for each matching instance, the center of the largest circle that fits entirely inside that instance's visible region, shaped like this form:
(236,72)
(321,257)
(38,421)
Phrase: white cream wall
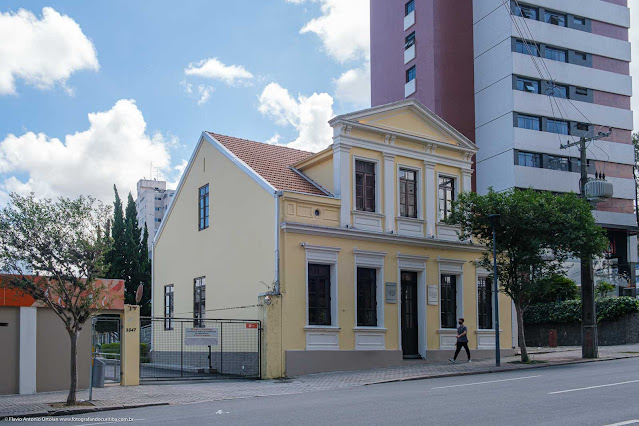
(236,253)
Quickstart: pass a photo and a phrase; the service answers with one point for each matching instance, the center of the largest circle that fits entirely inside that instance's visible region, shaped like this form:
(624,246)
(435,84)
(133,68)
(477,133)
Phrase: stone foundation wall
(623,331)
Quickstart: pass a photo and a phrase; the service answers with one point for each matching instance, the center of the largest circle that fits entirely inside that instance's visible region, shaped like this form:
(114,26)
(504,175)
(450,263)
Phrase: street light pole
(493,220)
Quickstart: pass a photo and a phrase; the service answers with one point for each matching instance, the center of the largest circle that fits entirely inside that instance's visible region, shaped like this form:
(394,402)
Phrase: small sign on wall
(391,292)
(433,298)
(200,337)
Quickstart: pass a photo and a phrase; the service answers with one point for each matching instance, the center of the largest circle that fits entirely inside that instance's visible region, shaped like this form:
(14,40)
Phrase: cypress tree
(115,255)
(131,251)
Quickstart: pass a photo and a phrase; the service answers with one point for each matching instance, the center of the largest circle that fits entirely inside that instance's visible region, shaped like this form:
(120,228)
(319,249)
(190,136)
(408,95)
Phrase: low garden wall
(617,322)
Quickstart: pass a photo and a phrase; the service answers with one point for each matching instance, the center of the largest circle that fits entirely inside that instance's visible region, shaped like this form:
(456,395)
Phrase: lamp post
(493,221)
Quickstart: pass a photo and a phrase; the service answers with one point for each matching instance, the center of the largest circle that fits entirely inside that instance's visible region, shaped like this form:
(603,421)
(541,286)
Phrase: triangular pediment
(409,117)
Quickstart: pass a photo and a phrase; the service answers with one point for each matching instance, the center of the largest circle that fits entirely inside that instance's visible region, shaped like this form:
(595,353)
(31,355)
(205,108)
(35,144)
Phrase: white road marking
(483,383)
(593,387)
(627,422)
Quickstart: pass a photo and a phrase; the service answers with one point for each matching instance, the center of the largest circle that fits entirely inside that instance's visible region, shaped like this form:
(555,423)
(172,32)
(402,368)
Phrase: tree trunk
(522,338)
(71,398)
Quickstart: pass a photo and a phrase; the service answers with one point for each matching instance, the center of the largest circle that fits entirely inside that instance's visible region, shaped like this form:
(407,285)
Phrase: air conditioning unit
(598,190)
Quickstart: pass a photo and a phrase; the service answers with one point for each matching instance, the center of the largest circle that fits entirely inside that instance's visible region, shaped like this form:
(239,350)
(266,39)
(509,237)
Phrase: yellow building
(348,244)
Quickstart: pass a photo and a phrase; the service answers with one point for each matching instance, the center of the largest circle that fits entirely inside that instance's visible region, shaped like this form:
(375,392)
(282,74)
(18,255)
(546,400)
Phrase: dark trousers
(461,345)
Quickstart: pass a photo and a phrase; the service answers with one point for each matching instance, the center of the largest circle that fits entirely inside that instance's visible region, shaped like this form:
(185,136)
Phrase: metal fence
(106,346)
(209,349)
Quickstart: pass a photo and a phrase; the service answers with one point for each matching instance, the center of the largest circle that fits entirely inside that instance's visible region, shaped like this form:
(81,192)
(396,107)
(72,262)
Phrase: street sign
(200,336)
(251,325)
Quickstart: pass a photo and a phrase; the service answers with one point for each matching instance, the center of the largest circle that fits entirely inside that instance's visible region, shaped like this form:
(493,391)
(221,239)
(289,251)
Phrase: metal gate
(106,348)
(183,348)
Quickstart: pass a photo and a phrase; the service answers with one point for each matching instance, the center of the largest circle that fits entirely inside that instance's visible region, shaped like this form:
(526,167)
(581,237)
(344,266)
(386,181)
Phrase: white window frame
(322,255)
(457,184)
(412,263)
(372,260)
(369,221)
(447,339)
(419,188)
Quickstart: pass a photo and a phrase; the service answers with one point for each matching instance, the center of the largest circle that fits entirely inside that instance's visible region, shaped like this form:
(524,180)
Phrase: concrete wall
(9,350)
(620,332)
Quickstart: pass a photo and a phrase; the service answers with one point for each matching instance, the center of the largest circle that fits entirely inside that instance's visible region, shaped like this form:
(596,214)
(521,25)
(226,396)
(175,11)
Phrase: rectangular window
(526,12)
(407,193)
(449,301)
(168,307)
(157,209)
(555,54)
(199,302)
(558,91)
(409,40)
(364,186)
(582,55)
(558,126)
(558,163)
(411,74)
(485,303)
(203,218)
(581,91)
(409,7)
(319,294)
(527,85)
(555,18)
(529,159)
(528,122)
(446,196)
(582,127)
(527,48)
(580,21)
(366,297)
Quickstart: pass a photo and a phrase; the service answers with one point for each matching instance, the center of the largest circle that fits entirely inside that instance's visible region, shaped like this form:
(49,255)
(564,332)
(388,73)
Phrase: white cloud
(42,52)
(116,148)
(214,69)
(344,28)
(308,115)
(205,93)
(275,139)
(354,86)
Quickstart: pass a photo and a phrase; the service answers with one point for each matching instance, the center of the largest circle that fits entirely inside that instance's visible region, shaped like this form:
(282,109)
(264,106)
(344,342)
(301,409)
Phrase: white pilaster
(467,180)
(430,194)
(389,192)
(342,180)
(27,351)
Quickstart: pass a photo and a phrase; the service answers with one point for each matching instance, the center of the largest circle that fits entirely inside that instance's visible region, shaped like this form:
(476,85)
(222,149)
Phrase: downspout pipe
(276,289)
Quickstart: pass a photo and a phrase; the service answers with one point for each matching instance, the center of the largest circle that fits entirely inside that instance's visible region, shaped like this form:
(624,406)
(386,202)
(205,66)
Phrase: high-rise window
(168,307)
(411,73)
(527,85)
(581,91)
(558,163)
(446,196)
(409,40)
(203,218)
(557,90)
(484,304)
(448,301)
(529,159)
(319,294)
(364,186)
(366,297)
(555,54)
(409,7)
(555,18)
(199,302)
(558,126)
(526,12)
(580,21)
(527,48)
(528,122)
(407,193)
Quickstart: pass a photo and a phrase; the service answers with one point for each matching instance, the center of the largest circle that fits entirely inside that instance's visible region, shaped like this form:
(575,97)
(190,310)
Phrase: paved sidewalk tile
(113,397)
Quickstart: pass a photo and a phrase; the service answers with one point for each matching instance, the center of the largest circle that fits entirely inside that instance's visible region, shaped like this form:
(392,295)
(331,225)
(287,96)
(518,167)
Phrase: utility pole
(589,343)
(493,221)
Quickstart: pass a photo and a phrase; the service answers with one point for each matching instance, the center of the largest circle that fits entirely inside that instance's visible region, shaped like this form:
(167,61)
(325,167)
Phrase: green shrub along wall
(114,348)
(617,318)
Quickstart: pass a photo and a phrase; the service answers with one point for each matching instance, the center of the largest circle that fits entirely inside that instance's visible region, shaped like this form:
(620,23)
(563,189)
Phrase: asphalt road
(600,393)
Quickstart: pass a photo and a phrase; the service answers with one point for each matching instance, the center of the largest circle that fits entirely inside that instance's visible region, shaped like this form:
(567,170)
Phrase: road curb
(82,410)
(496,370)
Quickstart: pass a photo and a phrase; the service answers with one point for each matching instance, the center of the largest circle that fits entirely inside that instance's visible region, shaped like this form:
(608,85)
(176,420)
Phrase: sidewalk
(116,397)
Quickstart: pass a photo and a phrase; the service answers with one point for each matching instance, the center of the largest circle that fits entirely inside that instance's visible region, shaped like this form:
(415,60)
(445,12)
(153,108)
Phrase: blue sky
(271,70)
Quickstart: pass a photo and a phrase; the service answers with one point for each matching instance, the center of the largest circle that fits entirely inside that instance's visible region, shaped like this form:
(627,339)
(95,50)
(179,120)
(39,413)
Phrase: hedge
(608,309)
(114,348)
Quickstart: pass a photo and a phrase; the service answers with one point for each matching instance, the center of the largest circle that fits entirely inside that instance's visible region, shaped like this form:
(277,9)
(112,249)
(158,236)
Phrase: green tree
(536,233)
(555,288)
(133,273)
(55,252)
(145,266)
(116,255)
(604,288)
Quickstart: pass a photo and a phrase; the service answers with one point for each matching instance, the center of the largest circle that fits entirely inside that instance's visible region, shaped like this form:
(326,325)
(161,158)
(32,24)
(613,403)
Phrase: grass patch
(630,352)
(530,362)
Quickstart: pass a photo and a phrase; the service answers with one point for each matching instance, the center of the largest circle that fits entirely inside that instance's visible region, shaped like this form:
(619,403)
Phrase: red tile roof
(272,162)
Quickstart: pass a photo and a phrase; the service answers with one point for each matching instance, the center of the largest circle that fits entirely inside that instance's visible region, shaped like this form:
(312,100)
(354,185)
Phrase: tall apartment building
(519,79)
(152,203)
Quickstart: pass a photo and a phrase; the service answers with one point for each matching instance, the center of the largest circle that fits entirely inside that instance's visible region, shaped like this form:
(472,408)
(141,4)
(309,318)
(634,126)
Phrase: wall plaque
(391,292)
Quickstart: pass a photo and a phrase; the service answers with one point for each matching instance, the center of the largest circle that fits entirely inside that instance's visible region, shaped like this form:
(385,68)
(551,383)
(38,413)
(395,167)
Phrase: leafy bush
(555,288)
(114,348)
(608,309)
(604,288)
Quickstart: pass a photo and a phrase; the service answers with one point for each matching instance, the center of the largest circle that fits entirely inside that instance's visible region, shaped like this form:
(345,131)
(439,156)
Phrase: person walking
(462,341)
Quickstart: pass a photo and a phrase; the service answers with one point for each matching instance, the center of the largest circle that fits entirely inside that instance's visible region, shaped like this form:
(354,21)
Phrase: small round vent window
(317,212)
